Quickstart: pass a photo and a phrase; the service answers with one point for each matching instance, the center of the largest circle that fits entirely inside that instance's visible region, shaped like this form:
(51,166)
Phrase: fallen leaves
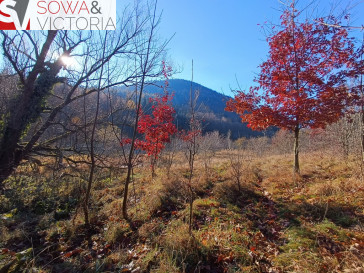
(72,253)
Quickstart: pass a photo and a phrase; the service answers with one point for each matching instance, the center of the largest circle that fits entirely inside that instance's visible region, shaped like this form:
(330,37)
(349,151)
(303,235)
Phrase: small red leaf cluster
(156,128)
(189,136)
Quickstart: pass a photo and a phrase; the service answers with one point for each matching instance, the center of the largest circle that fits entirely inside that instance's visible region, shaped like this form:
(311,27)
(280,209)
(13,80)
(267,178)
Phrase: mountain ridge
(210,108)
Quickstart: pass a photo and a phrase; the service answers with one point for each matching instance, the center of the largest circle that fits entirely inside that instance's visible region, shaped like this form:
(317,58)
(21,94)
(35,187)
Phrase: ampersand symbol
(95,9)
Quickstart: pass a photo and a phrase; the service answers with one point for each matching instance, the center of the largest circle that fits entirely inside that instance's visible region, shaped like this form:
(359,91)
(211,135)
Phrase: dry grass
(270,224)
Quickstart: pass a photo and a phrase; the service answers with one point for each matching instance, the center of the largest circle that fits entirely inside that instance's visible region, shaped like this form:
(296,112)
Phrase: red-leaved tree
(301,84)
(156,128)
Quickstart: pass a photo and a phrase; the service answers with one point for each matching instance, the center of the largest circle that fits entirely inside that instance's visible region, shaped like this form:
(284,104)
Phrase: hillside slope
(210,107)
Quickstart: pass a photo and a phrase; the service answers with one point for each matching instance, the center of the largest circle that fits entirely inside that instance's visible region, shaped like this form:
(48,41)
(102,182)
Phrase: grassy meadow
(249,215)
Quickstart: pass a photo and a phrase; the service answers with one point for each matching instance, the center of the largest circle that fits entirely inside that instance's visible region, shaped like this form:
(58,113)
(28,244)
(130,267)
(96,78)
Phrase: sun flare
(68,61)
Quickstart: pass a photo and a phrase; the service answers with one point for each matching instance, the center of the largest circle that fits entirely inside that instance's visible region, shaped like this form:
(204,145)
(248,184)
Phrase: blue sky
(224,38)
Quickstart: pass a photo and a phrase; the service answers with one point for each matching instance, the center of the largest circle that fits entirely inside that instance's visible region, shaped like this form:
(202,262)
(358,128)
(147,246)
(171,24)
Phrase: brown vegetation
(267,224)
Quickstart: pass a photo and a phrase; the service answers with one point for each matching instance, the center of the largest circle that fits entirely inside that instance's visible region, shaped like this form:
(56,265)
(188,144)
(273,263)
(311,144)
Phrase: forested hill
(210,108)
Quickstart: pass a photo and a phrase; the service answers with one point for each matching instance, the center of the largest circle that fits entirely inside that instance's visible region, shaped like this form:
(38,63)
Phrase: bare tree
(210,143)
(41,60)
(168,155)
(93,132)
(344,133)
(192,147)
(359,88)
(240,162)
(148,53)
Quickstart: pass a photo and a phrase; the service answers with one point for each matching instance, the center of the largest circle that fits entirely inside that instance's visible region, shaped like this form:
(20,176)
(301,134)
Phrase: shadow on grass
(341,215)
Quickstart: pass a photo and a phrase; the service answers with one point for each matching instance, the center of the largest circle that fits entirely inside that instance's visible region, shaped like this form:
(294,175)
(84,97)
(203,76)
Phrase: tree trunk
(191,211)
(152,165)
(126,192)
(9,161)
(145,62)
(296,167)
(25,109)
